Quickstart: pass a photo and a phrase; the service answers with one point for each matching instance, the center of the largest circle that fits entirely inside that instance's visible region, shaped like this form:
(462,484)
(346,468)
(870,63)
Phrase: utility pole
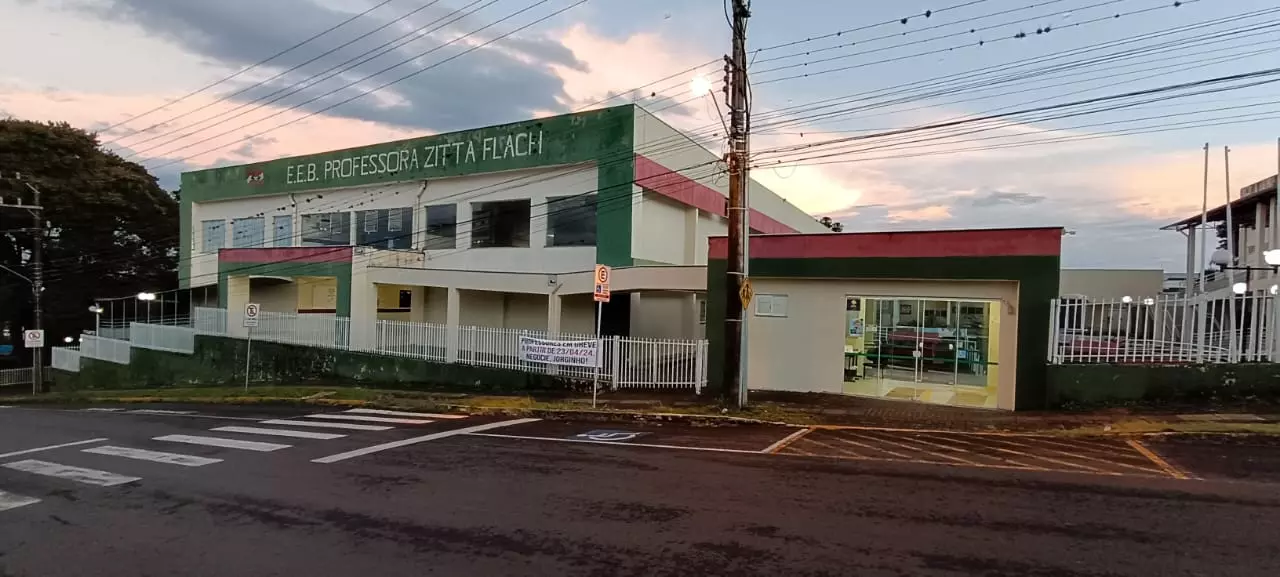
(739,219)
(37,276)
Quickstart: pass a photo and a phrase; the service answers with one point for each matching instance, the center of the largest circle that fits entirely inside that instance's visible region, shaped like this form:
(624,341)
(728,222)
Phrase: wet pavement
(430,495)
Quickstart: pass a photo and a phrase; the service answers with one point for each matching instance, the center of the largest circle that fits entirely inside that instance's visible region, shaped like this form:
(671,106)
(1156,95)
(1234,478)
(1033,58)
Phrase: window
(571,221)
(395,219)
(702,311)
(406,299)
(327,229)
(393,235)
(248,233)
(283,233)
(771,305)
(500,224)
(442,226)
(213,235)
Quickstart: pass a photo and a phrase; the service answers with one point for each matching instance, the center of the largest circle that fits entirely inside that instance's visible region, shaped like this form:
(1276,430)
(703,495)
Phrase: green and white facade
(498,226)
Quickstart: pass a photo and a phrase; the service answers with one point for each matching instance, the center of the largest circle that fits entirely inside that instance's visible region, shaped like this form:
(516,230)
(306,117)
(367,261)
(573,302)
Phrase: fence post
(616,360)
(699,374)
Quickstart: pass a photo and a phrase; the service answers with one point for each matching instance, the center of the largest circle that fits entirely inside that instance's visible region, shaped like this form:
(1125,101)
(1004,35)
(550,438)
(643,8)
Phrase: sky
(820,70)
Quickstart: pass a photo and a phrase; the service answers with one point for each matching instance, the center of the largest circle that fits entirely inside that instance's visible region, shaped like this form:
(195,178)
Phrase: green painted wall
(604,136)
(220,361)
(1093,385)
(1037,278)
(339,270)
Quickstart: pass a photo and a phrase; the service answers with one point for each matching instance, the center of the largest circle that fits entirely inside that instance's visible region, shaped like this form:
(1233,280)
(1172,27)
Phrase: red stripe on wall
(678,187)
(291,254)
(931,243)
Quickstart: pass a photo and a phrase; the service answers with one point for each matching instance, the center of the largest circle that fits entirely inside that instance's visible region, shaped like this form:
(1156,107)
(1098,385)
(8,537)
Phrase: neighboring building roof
(1040,241)
(1242,208)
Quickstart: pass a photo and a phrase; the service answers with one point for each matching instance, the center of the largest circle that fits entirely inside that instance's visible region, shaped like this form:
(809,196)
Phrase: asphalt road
(567,499)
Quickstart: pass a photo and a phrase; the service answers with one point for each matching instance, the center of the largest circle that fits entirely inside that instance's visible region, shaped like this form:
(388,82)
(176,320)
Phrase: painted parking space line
(154,456)
(77,474)
(614,443)
(848,441)
(920,449)
(326,425)
(280,433)
(387,413)
(12,501)
(51,447)
(1043,458)
(424,438)
(223,442)
(370,419)
(978,448)
(787,440)
(1164,465)
(1114,461)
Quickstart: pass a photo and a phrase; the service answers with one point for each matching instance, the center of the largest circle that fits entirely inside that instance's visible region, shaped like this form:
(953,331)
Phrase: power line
(380,87)
(244,70)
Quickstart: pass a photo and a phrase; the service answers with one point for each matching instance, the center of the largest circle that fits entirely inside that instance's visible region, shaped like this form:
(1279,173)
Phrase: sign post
(601,295)
(251,311)
(34,339)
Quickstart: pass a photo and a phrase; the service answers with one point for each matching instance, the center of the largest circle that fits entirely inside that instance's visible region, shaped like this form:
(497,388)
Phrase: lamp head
(1239,288)
(1221,258)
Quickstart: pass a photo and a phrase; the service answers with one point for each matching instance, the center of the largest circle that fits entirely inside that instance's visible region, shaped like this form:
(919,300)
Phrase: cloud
(997,197)
(926,214)
(507,81)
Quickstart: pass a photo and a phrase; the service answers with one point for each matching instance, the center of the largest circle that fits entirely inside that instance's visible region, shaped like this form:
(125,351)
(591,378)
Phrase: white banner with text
(577,353)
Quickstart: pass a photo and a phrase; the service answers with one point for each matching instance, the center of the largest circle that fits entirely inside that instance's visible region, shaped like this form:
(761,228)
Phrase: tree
(110,230)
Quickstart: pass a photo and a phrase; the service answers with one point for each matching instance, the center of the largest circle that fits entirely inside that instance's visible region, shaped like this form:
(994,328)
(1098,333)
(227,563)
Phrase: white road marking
(160,412)
(280,433)
(345,417)
(51,447)
(424,438)
(102,410)
(611,443)
(11,501)
(404,414)
(223,442)
(157,456)
(7,407)
(78,474)
(321,424)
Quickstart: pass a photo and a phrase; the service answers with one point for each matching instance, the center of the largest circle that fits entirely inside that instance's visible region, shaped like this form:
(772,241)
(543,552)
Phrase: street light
(146,297)
(1126,299)
(97,318)
(1240,288)
(68,340)
(1148,301)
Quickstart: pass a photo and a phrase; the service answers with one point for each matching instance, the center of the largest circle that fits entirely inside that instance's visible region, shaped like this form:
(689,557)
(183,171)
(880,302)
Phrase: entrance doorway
(929,350)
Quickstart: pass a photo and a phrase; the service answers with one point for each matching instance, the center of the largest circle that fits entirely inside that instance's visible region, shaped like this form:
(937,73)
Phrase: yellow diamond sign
(745,293)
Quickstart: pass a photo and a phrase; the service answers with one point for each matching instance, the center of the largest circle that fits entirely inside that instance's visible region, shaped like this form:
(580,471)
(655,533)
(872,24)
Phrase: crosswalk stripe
(223,442)
(78,474)
(404,414)
(157,456)
(345,417)
(12,501)
(324,425)
(280,433)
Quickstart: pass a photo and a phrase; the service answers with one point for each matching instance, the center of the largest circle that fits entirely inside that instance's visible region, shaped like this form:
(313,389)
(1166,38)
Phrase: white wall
(437,305)
(660,223)
(525,311)
(578,314)
(658,141)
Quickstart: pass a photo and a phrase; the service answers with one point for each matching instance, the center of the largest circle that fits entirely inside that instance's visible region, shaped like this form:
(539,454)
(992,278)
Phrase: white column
(237,297)
(539,225)
(554,305)
(453,318)
(364,309)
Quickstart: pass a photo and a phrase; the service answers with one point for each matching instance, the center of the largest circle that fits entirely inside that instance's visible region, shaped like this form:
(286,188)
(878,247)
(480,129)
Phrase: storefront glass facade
(931,350)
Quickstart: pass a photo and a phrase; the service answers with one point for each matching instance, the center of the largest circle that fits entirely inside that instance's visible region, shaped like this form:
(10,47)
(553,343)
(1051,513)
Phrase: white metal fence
(176,339)
(104,349)
(626,362)
(1165,329)
(20,376)
(66,359)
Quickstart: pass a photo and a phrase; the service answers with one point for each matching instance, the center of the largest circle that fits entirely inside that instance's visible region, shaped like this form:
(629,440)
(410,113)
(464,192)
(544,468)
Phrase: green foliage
(110,229)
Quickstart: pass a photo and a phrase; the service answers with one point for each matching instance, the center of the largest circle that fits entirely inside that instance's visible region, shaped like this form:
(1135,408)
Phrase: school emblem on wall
(255,177)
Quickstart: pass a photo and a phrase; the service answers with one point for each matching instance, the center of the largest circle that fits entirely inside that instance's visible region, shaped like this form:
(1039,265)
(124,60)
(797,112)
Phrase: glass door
(929,350)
